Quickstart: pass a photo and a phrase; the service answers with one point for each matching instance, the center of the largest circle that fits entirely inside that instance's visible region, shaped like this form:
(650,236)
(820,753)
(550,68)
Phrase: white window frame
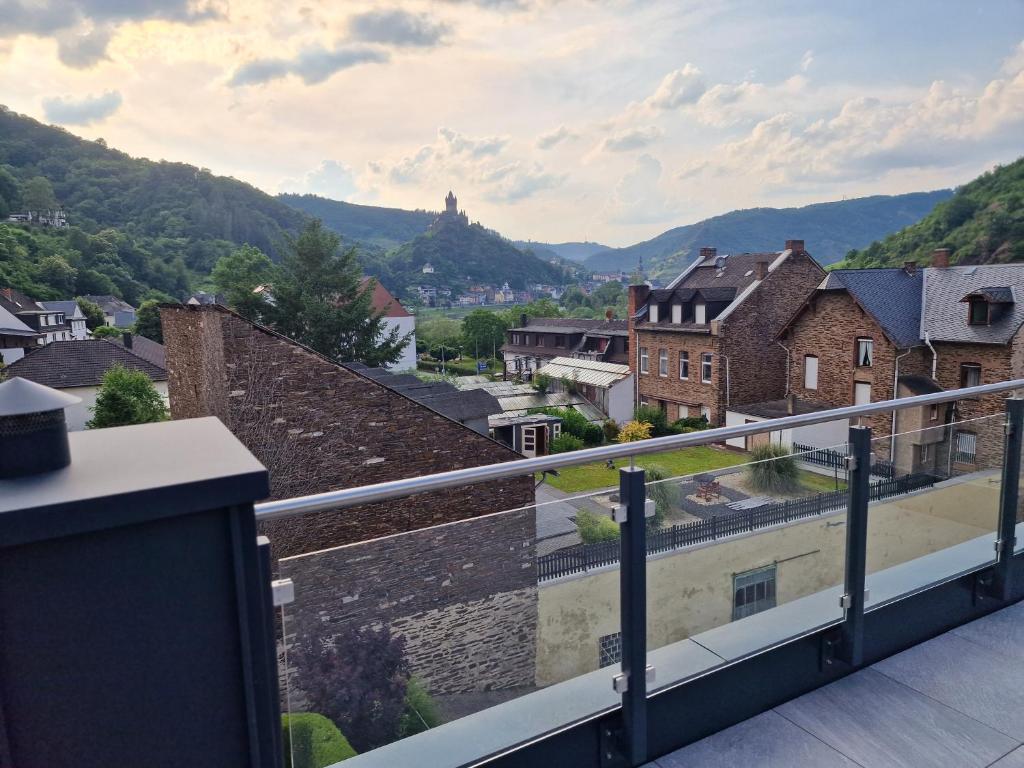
(858,388)
(700,312)
(684,411)
(677,313)
(863,342)
(810,371)
(684,366)
(663,363)
(644,360)
(706,371)
(652,313)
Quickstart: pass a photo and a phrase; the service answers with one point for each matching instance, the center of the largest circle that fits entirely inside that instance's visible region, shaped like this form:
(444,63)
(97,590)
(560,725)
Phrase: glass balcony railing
(478,636)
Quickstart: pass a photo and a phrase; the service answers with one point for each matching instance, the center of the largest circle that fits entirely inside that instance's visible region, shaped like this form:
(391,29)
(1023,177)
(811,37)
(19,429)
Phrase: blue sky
(551,119)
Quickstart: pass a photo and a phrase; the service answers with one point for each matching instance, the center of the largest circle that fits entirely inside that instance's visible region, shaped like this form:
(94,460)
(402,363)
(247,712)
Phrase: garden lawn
(687,461)
(812,481)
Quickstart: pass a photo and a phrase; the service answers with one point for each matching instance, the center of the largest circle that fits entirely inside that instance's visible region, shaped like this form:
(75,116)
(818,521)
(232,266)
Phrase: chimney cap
(19,397)
(795,245)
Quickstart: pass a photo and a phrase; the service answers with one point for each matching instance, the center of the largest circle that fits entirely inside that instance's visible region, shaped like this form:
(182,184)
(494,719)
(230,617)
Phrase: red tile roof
(384,302)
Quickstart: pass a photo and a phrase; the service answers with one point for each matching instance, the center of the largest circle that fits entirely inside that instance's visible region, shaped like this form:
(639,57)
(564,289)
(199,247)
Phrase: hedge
(314,740)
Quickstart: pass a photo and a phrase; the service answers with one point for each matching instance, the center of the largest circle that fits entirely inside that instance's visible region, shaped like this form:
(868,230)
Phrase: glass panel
(396,635)
(746,548)
(934,498)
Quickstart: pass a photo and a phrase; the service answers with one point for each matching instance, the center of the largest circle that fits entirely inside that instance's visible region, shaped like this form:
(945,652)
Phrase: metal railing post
(1009,494)
(631,682)
(851,649)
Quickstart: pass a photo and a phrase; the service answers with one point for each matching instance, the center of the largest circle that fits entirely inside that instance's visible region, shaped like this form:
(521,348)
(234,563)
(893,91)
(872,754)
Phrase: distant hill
(462,254)
(830,231)
(982,223)
(568,251)
(383,227)
(136,225)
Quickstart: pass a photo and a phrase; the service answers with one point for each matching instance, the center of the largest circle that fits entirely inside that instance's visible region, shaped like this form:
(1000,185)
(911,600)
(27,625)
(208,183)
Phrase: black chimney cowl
(33,431)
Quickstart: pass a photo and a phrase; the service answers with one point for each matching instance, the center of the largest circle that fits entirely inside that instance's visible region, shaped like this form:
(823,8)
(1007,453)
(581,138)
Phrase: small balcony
(664,603)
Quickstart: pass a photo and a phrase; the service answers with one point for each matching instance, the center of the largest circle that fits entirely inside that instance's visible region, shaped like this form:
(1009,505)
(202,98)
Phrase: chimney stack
(910,267)
(524,320)
(126,338)
(940,258)
(708,253)
(33,431)
(791,404)
(796,246)
(762,270)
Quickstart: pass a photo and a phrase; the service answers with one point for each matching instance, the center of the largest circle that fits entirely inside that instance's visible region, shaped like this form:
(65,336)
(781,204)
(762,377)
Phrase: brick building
(707,341)
(319,426)
(538,340)
(877,334)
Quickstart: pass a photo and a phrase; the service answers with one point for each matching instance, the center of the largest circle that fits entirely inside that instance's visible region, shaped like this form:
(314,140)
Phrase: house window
(643,359)
(684,365)
(705,367)
(609,649)
(865,352)
(933,413)
(515,338)
(677,313)
(925,452)
(977,312)
(861,392)
(540,340)
(753,592)
(526,339)
(705,412)
(663,362)
(684,412)
(653,313)
(810,372)
(970,375)
(559,341)
(699,314)
(965,448)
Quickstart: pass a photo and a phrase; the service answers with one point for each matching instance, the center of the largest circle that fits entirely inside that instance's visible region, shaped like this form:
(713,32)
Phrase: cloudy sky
(554,120)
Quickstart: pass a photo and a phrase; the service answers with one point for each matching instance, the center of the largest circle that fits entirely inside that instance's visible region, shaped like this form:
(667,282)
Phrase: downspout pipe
(935,355)
(895,394)
(787,363)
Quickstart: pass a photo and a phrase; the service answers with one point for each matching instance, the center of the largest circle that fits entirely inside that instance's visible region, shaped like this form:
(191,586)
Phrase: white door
(529,441)
(861,393)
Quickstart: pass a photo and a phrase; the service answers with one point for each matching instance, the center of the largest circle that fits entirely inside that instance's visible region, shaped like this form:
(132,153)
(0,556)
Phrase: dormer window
(652,313)
(700,313)
(677,313)
(977,312)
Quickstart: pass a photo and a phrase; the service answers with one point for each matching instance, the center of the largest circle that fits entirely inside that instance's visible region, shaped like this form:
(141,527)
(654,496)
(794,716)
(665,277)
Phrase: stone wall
(318,426)
(463,596)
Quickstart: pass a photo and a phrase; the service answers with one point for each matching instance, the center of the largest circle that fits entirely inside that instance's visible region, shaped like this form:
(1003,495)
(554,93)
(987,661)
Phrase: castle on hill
(451,213)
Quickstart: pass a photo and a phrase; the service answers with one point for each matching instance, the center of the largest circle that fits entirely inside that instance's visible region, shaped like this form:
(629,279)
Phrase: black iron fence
(833,459)
(584,557)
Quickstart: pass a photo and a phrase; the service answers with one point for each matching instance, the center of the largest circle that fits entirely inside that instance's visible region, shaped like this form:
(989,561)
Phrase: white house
(396,316)
(608,386)
(77,368)
(73,317)
(15,337)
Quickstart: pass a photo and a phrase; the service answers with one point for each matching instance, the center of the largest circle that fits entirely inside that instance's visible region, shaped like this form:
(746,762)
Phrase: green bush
(420,711)
(565,443)
(594,528)
(653,416)
(611,431)
(314,741)
(573,422)
(665,495)
(593,434)
(774,470)
(541,382)
(693,423)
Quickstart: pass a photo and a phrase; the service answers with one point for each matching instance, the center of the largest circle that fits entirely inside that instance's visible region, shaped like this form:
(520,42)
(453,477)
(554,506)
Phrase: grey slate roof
(892,296)
(944,316)
(440,396)
(145,348)
(63,364)
(69,308)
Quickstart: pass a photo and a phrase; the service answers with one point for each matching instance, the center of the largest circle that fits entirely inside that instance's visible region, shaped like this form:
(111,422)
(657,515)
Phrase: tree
(358,679)
(238,273)
(634,430)
(483,332)
(147,321)
(607,295)
(126,397)
(58,274)
(321,301)
(107,332)
(9,196)
(94,317)
(37,194)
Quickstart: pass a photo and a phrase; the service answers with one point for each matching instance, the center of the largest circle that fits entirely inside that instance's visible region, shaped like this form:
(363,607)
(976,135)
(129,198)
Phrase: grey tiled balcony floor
(956,701)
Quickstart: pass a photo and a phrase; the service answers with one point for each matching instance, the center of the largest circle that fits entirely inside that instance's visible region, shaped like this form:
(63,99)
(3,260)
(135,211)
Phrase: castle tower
(451,204)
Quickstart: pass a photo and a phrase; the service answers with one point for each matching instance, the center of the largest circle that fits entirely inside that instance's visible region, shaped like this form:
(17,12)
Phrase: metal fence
(584,557)
(835,459)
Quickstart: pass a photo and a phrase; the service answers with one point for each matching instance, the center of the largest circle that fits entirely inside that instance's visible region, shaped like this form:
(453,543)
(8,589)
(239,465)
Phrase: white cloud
(637,197)
(515,183)
(633,138)
(68,110)
(683,86)
(313,64)
(330,179)
(397,27)
(554,138)
(806,60)
(458,144)
(81,50)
